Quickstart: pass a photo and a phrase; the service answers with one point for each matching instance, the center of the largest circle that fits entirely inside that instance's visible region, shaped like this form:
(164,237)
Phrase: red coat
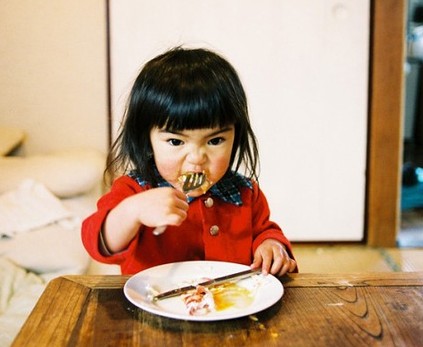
(213,230)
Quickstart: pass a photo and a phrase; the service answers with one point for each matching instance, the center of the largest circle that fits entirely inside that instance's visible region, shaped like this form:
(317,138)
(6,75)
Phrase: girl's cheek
(168,171)
(219,168)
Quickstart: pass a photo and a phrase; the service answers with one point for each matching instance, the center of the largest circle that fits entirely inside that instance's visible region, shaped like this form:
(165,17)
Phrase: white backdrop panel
(304,65)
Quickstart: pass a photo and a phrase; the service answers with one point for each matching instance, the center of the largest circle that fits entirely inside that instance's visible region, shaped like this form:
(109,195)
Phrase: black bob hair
(183,89)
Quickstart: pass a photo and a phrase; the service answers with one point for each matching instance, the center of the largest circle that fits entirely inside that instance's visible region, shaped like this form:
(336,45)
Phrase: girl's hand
(160,206)
(273,258)
(153,207)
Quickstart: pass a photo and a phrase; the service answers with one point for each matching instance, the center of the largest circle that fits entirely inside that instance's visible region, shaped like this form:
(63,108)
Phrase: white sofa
(43,200)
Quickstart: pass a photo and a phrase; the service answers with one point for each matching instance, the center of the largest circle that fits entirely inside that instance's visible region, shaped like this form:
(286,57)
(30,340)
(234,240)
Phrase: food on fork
(194,180)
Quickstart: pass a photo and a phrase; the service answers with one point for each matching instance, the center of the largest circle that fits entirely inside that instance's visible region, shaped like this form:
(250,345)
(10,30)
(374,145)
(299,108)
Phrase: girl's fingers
(292,265)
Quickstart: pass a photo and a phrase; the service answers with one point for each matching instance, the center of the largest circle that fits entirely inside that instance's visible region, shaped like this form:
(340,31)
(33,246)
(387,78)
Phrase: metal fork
(191,181)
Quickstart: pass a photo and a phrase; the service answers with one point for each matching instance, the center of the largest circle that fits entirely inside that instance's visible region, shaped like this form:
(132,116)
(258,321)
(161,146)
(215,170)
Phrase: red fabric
(241,230)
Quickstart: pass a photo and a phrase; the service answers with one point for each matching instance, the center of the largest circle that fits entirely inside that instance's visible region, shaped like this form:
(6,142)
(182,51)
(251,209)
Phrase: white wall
(304,65)
(53,73)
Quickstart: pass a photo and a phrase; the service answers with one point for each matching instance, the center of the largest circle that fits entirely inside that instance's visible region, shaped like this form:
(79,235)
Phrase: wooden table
(367,309)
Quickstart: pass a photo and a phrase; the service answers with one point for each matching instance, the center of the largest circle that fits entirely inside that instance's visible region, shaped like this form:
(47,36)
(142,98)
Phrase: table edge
(288,281)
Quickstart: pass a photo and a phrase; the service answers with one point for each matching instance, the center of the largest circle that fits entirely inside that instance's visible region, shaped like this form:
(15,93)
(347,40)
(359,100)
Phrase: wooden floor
(356,258)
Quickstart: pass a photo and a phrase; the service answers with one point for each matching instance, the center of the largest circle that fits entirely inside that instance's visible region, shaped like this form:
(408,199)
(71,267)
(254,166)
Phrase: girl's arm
(152,208)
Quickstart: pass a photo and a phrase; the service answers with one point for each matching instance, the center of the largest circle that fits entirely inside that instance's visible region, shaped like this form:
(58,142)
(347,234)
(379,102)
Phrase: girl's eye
(216,141)
(175,142)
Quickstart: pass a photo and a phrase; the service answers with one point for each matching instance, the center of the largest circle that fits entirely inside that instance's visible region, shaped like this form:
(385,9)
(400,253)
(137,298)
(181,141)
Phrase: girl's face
(198,150)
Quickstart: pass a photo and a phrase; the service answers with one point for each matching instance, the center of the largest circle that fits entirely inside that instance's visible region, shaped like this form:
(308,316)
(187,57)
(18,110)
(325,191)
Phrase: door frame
(385,129)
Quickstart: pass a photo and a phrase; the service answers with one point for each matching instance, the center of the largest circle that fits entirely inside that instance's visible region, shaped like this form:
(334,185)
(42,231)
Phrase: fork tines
(193,180)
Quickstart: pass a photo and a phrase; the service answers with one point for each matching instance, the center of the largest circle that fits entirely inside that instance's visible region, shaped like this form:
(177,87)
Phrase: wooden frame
(385,143)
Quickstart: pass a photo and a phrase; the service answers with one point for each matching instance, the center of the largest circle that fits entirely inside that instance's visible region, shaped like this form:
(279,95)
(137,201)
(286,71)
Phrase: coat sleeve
(264,228)
(122,188)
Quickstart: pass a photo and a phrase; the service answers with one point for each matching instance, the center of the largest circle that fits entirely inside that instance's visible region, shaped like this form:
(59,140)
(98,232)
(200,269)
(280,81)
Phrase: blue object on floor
(412,197)
(412,187)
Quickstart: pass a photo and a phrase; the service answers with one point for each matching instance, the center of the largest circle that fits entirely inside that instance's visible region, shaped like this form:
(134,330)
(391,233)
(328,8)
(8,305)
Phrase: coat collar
(227,189)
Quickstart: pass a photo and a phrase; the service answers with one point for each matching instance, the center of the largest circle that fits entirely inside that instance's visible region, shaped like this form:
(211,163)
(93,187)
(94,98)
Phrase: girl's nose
(197,156)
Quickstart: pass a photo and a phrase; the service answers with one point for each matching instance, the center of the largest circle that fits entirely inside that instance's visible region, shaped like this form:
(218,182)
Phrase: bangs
(192,90)
(193,109)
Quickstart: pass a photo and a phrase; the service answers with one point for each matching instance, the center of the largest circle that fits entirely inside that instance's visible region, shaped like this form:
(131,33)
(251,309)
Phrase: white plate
(267,289)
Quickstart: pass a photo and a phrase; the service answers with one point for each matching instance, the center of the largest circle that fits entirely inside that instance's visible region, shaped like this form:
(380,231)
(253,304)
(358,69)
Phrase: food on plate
(231,295)
(198,301)
(202,300)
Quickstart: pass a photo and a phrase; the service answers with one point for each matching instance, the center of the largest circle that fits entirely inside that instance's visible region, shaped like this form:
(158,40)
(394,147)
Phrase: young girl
(187,112)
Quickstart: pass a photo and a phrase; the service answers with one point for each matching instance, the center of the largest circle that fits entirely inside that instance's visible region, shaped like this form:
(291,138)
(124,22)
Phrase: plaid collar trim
(227,189)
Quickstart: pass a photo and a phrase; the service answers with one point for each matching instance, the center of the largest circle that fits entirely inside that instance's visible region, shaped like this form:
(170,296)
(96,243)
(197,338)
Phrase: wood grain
(374,309)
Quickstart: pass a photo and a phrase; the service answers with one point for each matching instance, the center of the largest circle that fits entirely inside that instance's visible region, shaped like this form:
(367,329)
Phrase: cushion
(41,234)
(65,174)
(50,249)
